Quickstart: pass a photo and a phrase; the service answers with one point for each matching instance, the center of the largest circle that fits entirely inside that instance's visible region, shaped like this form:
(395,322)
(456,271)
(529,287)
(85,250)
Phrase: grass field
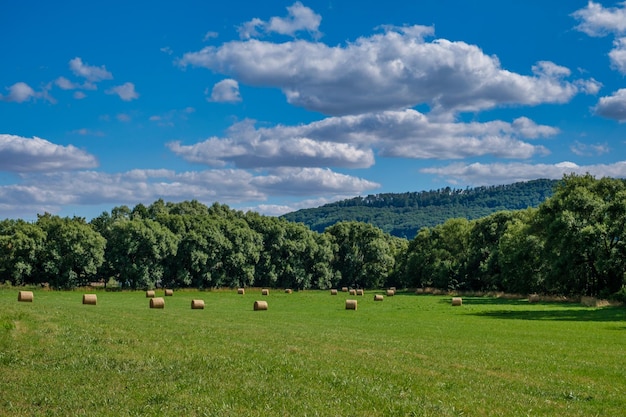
(306,355)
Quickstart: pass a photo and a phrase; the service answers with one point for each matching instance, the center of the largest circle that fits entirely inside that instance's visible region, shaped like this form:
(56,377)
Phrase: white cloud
(49,192)
(79,95)
(306,181)
(597,20)
(19,93)
(125,91)
(210,35)
(90,73)
(392,70)
(613,106)
(19,154)
(300,18)
(618,55)
(589,149)
(350,141)
(503,173)
(225,91)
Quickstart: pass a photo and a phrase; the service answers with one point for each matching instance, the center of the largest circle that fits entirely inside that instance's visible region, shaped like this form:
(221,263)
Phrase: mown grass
(307,356)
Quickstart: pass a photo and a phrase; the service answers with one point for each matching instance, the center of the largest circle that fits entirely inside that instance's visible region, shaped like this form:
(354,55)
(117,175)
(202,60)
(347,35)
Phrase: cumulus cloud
(89,72)
(300,18)
(477,174)
(391,70)
(19,93)
(51,191)
(597,20)
(589,149)
(19,154)
(613,106)
(125,91)
(306,181)
(350,141)
(618,55)
(225,91)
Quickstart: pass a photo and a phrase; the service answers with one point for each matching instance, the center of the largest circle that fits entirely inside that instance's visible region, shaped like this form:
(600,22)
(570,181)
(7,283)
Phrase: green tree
(583,225)
(72,253)
(138,250)
(438,256)
(521,255)
(483,267)
(21,244)
(363,257)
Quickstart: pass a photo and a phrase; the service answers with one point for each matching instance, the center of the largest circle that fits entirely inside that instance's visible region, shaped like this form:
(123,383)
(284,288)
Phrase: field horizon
(306,355)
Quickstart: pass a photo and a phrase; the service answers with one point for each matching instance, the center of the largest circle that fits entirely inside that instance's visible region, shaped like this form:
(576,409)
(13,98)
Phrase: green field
(306,355)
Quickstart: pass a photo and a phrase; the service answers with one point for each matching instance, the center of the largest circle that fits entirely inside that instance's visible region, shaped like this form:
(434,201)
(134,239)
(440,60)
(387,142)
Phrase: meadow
(409,355)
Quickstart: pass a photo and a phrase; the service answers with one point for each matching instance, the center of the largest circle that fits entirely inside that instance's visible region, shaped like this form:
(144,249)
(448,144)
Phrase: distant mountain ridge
(403,214)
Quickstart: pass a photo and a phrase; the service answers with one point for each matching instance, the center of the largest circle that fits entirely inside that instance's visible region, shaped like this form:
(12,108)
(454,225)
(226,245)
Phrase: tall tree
(72,253)
(138,250)
(584,227)
(21,244)
(363,257)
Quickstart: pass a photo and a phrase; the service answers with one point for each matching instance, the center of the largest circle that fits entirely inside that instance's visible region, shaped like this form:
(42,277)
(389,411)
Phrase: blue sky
(282,105)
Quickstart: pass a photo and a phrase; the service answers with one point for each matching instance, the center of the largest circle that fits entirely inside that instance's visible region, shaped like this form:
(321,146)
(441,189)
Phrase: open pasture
(306,355)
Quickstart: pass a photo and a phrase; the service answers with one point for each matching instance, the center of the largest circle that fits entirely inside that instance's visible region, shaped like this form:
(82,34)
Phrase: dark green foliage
(573,243)
(404,214)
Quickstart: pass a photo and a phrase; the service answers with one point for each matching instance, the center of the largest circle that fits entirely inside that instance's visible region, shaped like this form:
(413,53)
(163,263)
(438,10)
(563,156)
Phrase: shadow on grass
(567,313)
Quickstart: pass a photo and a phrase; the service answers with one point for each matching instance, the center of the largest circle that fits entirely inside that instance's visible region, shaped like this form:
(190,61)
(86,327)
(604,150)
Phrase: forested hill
(403,214)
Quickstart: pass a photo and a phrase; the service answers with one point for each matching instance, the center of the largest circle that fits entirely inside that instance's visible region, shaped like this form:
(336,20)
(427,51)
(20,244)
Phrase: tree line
(571,244)
(404,214)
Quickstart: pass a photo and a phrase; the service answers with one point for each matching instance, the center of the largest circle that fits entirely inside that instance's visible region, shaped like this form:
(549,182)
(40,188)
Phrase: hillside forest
(573,243)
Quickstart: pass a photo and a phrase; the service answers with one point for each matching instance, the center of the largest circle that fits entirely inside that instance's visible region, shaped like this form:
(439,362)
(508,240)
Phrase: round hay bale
(457,301)
(352,292)
(241,291)
(197,304)
(157,302)
(534,298)
(90,299)
(333,292)
(260,305)
(25,296)
(265,291)
(378,297)
(391,293)
(288,291)
(344,289)
(393,289)
(359,292)
(150,294)
(169,293)
(351,304)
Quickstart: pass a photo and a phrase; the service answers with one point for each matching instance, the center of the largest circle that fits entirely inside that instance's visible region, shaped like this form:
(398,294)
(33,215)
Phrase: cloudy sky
(281,105)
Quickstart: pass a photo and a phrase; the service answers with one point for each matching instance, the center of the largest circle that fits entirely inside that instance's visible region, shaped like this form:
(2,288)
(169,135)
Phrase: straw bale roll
(359,292)
(241,291)
(351,304)
(457,301)
(197,304)
(260,305)
(90,299)
(533,298)
(378,297)
(352,292)
(26,296)
(333,292)
(391,293)
(288,291)
(150,294)
(169,293)
(344,289)
(265,291)
(157,302)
